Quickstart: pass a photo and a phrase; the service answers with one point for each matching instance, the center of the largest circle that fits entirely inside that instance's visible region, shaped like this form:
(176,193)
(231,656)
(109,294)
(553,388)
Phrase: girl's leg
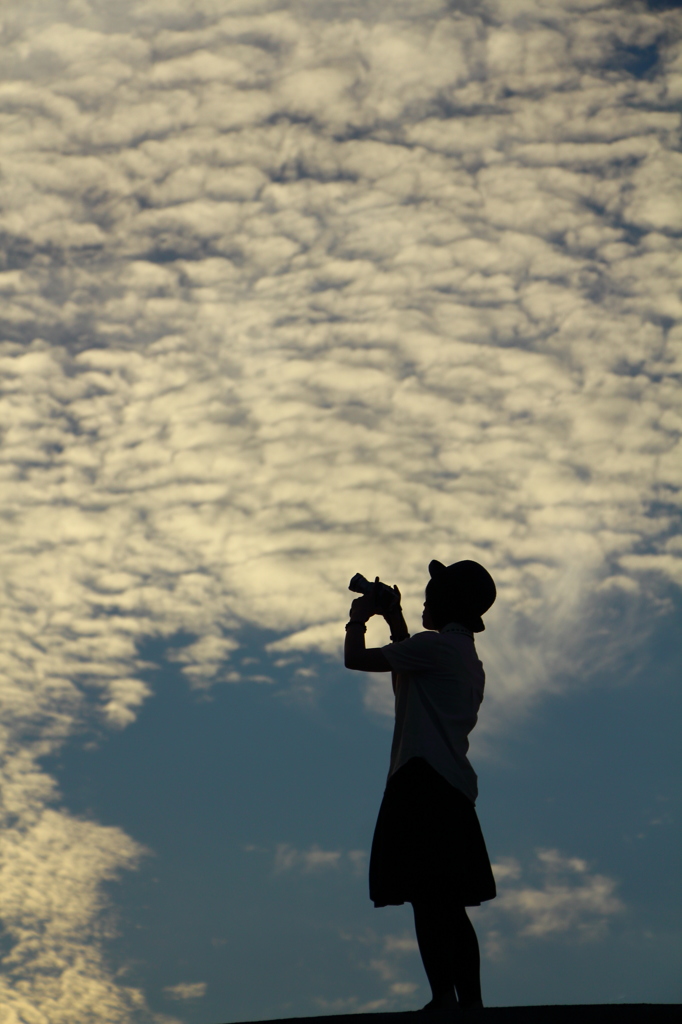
(449,951)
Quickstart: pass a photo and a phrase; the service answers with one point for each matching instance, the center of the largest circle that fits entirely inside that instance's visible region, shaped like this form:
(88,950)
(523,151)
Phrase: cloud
(53,911)
(291,292)
(570,902)
(326,637)
(388,964)
(186,990)
(315,859)
(349,1004)
(203,658)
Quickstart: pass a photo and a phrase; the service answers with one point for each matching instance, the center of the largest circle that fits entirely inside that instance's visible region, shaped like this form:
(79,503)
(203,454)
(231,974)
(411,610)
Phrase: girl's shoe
(443,1007)
(472,1014)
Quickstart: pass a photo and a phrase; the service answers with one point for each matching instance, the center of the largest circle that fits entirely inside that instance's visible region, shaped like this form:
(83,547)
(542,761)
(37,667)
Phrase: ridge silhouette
(593,1013)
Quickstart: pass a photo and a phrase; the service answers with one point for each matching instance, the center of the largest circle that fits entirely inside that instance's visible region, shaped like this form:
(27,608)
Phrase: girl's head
(460,592)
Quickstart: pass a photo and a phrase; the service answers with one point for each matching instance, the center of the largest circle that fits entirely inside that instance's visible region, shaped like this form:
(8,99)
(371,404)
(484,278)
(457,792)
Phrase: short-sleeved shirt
(439,689)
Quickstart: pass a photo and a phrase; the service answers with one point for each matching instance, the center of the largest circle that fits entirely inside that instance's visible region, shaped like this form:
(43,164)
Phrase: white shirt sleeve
(416,654)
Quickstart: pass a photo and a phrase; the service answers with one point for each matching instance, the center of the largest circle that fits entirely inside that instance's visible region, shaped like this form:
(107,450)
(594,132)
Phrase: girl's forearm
(398,627)
(354,643)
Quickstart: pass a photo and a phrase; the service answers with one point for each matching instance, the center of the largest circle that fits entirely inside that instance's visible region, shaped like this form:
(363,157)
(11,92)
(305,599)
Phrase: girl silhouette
(428,848)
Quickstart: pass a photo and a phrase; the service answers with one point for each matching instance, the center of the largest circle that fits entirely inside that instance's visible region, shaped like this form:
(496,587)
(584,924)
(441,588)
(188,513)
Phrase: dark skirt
(428,843)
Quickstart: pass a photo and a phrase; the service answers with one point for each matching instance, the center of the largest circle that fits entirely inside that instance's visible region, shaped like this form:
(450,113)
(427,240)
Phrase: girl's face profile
(427,621)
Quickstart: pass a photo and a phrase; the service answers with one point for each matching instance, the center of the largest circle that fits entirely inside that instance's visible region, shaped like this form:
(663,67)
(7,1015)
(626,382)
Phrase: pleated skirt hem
(428,844)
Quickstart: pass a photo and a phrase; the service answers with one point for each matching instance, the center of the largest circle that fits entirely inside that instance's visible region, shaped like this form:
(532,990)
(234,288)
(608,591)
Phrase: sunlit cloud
(54,913)
(349,1004)
(291,292)
(315,859)
(570,903)
(186,990)
(385,956)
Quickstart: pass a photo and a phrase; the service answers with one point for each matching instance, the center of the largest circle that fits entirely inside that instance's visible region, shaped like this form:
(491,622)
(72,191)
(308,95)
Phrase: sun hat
(465,588)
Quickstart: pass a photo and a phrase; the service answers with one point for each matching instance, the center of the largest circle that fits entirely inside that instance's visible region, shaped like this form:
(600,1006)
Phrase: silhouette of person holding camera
(428,848)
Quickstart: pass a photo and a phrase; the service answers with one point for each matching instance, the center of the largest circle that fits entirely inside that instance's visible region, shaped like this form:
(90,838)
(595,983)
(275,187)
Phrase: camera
(384,595)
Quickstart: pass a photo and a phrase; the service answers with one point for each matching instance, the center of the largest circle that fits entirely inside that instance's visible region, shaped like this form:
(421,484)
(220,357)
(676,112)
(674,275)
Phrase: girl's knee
(441,910)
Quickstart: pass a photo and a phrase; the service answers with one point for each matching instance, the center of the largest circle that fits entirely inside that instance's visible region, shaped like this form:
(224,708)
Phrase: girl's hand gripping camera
(384,595)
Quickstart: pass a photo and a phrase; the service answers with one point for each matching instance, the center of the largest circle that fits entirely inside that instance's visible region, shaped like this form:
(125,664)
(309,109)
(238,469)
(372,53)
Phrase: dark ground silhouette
(626,1013)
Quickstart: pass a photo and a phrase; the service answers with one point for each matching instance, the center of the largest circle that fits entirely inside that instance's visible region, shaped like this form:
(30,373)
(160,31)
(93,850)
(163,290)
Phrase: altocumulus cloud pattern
(291,290)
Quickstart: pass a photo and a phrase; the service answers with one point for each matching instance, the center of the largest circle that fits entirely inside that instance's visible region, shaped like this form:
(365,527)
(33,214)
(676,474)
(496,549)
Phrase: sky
(288,291)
